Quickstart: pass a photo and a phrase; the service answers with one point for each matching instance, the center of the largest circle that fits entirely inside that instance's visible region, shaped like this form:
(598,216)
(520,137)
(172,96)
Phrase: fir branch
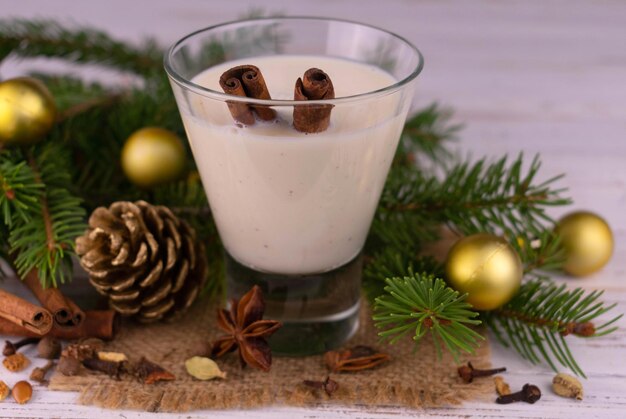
(477,197)
(389,263)
(47,38)
(20,190)
(540,316)
(46,241)
(422,304)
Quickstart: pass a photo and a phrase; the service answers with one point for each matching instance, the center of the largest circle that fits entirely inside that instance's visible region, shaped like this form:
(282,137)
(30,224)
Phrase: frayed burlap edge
(414,378)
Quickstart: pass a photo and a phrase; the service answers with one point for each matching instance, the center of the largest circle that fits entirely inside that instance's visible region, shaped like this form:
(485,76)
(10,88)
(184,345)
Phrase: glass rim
(214,94)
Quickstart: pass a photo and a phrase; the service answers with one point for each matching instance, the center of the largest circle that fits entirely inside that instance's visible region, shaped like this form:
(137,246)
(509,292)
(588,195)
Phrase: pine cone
(144,259)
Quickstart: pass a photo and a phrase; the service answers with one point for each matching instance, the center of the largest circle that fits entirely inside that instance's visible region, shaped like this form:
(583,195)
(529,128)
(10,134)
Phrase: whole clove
(328,385)
(39,373)
(468,372)
(529,394)
(112,369)
(11,348)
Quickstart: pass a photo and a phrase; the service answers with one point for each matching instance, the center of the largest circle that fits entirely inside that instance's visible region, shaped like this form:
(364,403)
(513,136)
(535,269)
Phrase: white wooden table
(529,76)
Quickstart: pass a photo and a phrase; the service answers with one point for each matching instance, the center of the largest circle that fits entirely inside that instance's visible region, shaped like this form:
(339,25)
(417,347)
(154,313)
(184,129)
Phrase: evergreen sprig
(44,239)
(47,38)
(419,304)
(478,197)
(538,319)
(20,191)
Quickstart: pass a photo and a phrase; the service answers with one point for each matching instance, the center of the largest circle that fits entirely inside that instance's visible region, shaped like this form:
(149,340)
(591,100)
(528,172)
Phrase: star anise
(354,359)
(246,331)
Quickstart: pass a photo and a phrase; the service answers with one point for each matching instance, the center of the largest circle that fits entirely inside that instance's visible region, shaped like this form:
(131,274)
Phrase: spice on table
(246,331)
(12,347)
(4,390)
(358,358)
(529,394)
(21,313)
(328,385)
(502,387)
(65,312)
(468,372)
(203,368)
(49,348)
(566,385)
(22,392)
(112,369)
(84,349)
(314,85)
(98,323)
(151,373)
(39,374)
(69,366)
(16,362)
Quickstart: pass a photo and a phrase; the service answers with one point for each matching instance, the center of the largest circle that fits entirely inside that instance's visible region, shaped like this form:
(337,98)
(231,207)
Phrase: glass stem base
(319,311)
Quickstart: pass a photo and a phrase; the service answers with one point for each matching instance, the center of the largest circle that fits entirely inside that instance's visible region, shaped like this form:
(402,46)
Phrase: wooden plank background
(543,77)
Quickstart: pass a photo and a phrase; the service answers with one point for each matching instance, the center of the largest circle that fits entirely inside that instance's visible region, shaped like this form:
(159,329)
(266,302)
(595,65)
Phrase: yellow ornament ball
(153,156)
(485,267)
(27,111)
(587,240)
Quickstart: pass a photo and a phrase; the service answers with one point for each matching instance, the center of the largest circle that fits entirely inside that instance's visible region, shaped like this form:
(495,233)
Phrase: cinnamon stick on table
(19,313)
(66,313)
(102,324)
(314,85)
(246,81)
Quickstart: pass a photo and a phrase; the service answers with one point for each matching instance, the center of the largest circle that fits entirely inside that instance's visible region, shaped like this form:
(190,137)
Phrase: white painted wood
(529,76)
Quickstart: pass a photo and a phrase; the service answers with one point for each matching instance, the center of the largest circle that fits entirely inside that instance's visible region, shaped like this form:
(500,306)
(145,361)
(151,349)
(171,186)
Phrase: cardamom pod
(567,386)
(203,368)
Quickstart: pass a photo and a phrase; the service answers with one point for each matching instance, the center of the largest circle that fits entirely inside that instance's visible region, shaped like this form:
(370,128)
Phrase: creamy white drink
(288,202)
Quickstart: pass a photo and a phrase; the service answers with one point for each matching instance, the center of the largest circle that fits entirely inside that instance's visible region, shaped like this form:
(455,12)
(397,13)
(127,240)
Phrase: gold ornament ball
(27,111)
(153,156)
(587,240)
(485,267)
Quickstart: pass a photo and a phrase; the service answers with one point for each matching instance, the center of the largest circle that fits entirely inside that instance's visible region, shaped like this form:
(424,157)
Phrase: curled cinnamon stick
(19,313)
(246,81)
(65,311)
(314,85)
(102,324)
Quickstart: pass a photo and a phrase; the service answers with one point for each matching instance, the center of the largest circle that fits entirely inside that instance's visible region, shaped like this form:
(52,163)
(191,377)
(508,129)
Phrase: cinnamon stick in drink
(19,313)
(246,81)
(314,85)
(102,324)
(66,313)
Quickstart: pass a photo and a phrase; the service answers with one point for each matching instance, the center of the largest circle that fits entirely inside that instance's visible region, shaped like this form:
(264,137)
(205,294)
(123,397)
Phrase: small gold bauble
(587,241)
(485,267)
(153,156)
(27,111)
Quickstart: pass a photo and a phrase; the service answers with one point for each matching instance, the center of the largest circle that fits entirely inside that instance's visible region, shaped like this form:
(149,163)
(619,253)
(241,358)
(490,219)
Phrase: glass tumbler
(293,210)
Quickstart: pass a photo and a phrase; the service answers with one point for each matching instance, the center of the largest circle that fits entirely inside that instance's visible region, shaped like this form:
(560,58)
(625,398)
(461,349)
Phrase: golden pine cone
(144,259)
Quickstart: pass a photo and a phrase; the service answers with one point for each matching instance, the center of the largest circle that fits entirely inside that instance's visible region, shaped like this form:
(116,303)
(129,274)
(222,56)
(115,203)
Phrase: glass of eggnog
(293,123)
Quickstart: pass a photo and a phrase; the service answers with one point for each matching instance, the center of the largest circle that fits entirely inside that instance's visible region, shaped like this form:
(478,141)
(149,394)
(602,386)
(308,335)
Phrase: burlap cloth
(414,378)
